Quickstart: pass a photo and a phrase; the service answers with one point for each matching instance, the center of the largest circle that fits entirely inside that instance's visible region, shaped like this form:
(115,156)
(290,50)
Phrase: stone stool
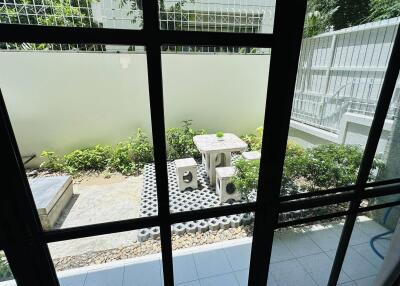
(211,161)
(186,170)
(224,186)
(252,155)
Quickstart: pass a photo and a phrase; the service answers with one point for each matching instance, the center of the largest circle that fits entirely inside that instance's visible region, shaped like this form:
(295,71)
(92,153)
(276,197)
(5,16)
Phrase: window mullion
(382,108)
(28,255)
(154,72)
(281,83)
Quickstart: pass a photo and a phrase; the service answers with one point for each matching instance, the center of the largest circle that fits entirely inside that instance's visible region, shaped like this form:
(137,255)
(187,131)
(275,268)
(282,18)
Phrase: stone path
(97,202)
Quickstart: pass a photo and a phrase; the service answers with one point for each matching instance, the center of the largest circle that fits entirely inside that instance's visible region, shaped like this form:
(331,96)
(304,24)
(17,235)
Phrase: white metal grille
(244,16)
(343,71)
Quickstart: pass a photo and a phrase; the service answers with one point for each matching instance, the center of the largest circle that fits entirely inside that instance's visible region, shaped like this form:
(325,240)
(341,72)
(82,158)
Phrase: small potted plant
(220,135)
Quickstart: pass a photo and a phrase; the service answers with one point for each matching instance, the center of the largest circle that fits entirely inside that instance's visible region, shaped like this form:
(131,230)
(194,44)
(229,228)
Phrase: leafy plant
(219,134)
(52,162)
(246,176)
(326,15)
(383,9)
(316,22)
(128,157)
(51,13)
(91,158)
(292,168)
(180,141)
(122,158)
(5,272)
(332,165)
(142,149)
(254,141)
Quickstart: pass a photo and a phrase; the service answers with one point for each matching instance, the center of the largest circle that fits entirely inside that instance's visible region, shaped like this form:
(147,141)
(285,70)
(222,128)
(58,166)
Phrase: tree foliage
(72,13)
(326,15)
(384,9)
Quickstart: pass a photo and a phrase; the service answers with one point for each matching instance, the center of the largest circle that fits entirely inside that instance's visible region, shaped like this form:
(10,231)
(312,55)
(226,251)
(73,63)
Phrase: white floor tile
(366,251)
(356,266)
(191,283)
(371,227)
(369,281)
(143,274)
(211,263)
(290,273)
(300,244)
(75,280)
(319,267)
(243,276)
(221,280)
(280,252)
(105,277)
(184,268)
(239,256)
(351,283)
(326,239)
(357,236)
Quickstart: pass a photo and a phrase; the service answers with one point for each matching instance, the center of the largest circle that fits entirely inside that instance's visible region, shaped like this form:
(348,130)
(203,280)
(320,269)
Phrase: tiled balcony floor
(298,258)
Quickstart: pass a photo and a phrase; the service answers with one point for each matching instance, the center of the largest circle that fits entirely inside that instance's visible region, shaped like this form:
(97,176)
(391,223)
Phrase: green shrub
(5,272)
(332,165)
(294,160)
(292,168)
(92,158)
(122,158)
(254,141)
(180,141)
(246,176)
(51,162)
(129,156)
(142,148)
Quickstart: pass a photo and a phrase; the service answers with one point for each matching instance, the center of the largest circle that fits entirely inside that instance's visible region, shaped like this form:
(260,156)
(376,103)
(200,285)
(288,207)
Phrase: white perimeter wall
(63,101)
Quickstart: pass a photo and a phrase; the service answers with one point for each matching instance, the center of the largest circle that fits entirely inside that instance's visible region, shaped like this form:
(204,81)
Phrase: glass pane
(303,255)
(213,106)
(251,16)
(214,251)
(111,259)
(5,271)
(369,244)
(389,144)
(124,14)
(312,212)
(380,200)
(86,118)
(341,68)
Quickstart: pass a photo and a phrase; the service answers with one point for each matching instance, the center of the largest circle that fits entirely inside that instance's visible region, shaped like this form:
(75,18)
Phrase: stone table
(216,152)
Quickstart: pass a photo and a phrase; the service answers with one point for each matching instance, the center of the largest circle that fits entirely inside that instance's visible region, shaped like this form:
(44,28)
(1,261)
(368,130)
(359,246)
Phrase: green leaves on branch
(5,271)
(254,140)
(180,141)
(246,176)
(321,167)
(128,157)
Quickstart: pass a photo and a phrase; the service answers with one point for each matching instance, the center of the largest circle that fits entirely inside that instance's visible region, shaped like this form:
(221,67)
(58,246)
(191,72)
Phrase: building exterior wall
(63,101)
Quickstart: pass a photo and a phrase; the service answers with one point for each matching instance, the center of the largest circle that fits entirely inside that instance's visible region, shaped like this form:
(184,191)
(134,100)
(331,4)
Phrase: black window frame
(23,238)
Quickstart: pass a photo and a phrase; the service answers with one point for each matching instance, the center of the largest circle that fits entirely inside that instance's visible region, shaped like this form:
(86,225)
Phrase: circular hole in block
(187,177)
(230,188)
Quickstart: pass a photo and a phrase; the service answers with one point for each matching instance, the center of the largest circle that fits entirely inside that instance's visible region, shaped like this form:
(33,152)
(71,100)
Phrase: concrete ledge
(51,195)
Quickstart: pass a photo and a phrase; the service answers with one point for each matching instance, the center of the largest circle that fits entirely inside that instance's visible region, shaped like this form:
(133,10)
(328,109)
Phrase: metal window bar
(30,248)
(374,135)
